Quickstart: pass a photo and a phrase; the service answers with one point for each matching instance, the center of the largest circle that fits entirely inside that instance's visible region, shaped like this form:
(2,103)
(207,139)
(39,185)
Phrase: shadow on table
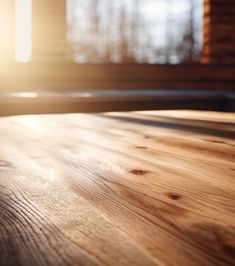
(188,125)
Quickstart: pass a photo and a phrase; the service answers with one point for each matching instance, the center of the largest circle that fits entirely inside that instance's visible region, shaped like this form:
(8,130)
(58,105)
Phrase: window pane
(135,31)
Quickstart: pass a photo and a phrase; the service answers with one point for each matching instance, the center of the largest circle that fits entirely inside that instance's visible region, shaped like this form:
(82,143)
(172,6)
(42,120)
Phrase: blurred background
(118,31)
(135,31)
(137,45)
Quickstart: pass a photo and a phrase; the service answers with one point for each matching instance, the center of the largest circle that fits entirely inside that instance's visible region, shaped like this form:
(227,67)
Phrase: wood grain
(137,188)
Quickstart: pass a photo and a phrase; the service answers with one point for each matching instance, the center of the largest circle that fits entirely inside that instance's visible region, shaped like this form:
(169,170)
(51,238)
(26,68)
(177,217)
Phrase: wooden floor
(140,188)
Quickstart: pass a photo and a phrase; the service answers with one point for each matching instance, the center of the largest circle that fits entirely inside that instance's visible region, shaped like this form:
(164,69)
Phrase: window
(135,31)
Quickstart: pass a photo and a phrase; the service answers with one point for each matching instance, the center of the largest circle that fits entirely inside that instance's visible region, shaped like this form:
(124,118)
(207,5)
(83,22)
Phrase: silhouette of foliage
(135,31)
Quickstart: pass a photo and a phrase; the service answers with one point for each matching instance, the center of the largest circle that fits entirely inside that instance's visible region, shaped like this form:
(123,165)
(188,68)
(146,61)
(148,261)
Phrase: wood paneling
(49,31)
(73,76)
(219,28)
(51,71)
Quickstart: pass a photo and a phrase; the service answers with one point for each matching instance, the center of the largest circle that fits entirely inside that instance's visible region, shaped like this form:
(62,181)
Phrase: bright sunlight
(23,30)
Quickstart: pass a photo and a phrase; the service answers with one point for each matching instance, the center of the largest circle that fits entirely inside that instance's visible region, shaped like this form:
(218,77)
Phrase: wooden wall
(72,76)
(49,31)
(219,32)
(50,69)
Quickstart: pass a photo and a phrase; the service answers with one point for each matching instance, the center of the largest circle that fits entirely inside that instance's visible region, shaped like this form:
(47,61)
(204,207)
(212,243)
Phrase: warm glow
(24,94)
(23,30)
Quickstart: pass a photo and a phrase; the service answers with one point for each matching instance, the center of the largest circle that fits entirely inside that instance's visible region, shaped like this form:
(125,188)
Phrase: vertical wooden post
(49,31)
(219,32)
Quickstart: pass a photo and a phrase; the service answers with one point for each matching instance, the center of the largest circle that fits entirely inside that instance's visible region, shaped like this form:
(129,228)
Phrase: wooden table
(140,188)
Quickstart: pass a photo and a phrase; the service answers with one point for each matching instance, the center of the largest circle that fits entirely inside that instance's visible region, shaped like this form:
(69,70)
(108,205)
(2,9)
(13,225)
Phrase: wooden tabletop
(137,188)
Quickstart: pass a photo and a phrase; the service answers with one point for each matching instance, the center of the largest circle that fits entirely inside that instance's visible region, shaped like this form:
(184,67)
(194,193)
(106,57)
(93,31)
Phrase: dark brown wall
(73,76)
(219,32)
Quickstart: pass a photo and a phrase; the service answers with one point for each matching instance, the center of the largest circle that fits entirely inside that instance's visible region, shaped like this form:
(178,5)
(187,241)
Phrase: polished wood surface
(137,188)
